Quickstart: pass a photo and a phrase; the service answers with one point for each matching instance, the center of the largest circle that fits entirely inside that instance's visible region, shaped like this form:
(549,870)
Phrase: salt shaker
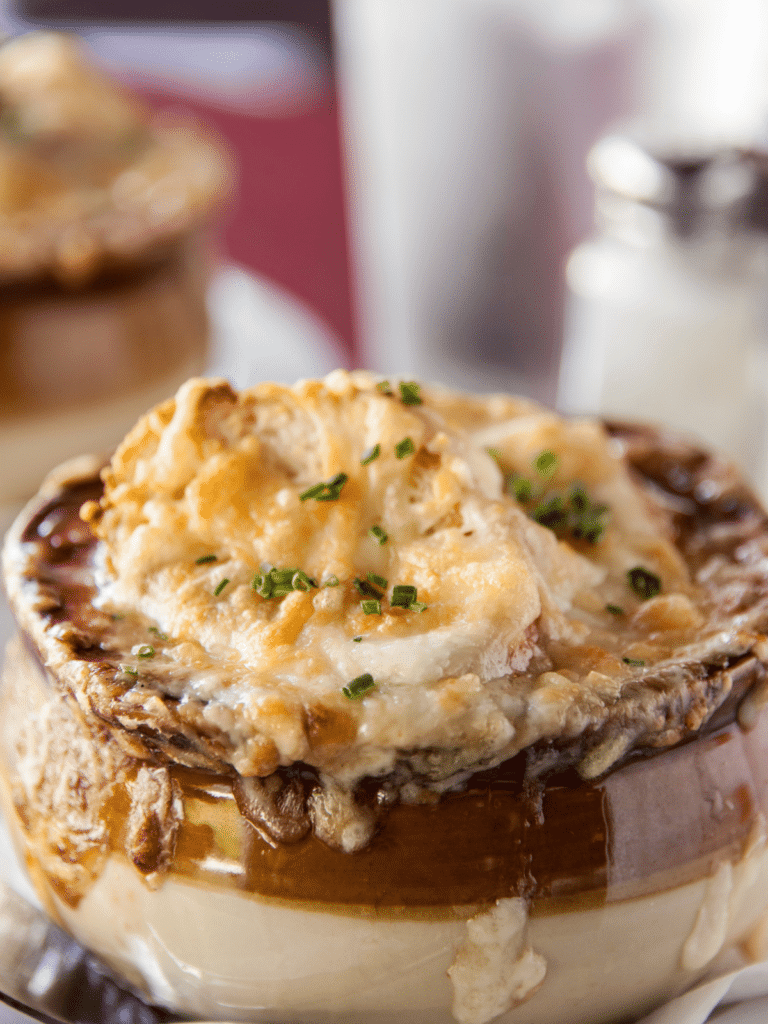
(664,308)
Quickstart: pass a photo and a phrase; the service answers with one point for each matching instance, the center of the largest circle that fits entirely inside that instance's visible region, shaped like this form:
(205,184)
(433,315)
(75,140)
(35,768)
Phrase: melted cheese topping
(515,643)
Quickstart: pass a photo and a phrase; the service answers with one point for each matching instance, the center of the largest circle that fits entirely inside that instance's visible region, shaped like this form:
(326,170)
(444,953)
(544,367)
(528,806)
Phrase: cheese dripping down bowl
(370,700)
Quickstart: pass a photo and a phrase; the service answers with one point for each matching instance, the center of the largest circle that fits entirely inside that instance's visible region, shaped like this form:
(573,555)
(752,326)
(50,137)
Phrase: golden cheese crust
(513,633)
(394,580)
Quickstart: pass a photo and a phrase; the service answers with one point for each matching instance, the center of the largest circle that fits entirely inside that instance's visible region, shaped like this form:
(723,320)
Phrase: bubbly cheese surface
(511,638)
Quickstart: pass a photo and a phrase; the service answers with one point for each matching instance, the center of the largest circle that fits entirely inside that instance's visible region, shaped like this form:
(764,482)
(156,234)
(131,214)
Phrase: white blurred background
(469,123)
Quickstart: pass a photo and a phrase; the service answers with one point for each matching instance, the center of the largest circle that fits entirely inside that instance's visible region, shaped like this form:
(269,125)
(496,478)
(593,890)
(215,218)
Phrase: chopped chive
(220,587)
(370,455)
(590,527)
(587,516)
(332,581)
(128,670)
(580,502)
(634,662)
(403,595)
(356,639)
(300,581)
(417,606)
(494,453)
(384,387)
(551,513)
(614,609)
(644,583)
(146,651)
(280,577)
(573,515)
(312,492)
(371,606)
(364,588)
(519,487)
(377,581)
(404,448)
(409,393)
(333,488)
(379,534)
(158,634)
(279,582)
(330,490)
(206,558)
(359,686)
(546,463)
(263,584)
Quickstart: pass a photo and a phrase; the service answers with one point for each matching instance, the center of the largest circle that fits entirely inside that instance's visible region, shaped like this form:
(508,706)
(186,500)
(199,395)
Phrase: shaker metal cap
(685,179)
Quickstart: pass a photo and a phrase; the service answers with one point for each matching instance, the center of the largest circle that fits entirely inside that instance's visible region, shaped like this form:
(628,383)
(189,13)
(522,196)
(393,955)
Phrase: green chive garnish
(356,639)
(312,492)
(519,487)
(220,587)
(330,490)
(128,670)
(417,606)
(300,581)
(403,596)
(280,577)
(634,662)
(206,558)
(332,581)
(371,606)
(370,455)
(364,588)
(262,584)
(551,513)
(494,453)
(146,651)
(158,634)
(614,609)
(279,582)
(574,515)
(359,686)
(404,448)
(379,534)
(580,502)
(644,583)
(384,387)
(377,581)
(409,393)
(333,488)
(546,463)
(586,516)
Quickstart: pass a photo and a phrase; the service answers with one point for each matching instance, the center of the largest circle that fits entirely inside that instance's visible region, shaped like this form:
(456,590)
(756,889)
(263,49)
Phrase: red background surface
(286,220)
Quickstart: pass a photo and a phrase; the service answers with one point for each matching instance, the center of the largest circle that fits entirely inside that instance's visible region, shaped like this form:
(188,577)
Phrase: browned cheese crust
(532,641)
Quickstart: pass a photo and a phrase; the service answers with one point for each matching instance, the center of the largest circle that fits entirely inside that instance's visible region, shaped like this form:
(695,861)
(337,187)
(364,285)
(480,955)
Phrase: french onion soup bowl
(370,700)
